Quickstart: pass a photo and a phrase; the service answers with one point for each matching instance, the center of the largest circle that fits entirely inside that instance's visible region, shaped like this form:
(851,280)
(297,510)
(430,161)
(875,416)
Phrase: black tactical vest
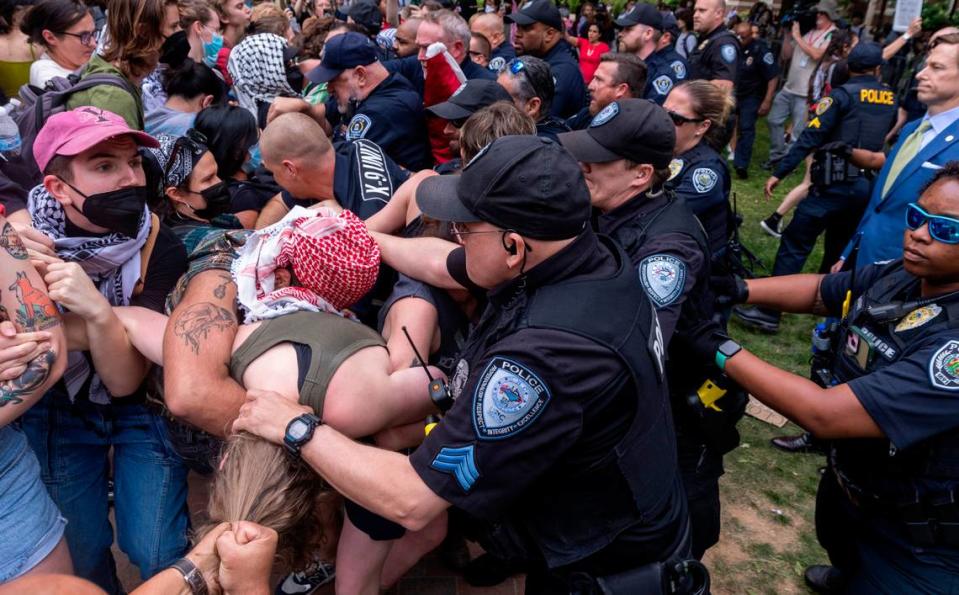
(637,481)
(871,115)
(874,467)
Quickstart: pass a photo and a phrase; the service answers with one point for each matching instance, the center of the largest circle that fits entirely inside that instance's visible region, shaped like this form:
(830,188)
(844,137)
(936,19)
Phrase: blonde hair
(258,481)
(713,104)
(491,122)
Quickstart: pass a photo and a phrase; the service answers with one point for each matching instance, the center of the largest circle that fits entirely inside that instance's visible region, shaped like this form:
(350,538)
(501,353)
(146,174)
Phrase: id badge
(859,347)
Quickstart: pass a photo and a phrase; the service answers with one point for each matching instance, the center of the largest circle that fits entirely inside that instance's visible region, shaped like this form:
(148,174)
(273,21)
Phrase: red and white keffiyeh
(334,259)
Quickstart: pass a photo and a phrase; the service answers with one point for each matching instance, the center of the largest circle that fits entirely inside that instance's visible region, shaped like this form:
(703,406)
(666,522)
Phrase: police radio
(438,389)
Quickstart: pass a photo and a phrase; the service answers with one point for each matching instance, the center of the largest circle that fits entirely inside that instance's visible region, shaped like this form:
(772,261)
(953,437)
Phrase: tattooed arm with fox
(32,345)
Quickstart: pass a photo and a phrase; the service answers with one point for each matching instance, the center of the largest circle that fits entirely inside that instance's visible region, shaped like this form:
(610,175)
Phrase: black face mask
(217,199)
(119,211)
(295,78)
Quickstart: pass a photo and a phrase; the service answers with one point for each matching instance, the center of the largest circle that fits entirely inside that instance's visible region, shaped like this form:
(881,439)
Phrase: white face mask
(489,8)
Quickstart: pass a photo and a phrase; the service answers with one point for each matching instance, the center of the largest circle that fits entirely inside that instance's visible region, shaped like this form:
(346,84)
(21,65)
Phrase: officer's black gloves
(837,148)
(702,340)
(729,289)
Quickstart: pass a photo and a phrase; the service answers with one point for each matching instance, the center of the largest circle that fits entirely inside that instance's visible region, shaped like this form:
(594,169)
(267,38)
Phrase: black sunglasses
(679,119)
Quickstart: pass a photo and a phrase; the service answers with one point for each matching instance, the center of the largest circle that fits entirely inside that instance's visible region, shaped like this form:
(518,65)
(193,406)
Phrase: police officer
(624,155)
(539,33)
(642,30)
(756,80)
(531,84)
(553,407)
(849,131)
(490,25)
(367,102)
(619,76)
(886,509)
(717,55)
(471,97)
(697,173)
(358,175)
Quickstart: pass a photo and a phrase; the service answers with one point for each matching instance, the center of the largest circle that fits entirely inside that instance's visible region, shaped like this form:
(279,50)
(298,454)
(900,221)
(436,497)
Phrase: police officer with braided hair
(887,511)
(625,155)
(558,444)
(847,134)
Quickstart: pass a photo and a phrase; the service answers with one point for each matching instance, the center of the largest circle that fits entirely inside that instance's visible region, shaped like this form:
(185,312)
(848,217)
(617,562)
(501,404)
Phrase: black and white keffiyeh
(258,68)
(184,161)
(112,261)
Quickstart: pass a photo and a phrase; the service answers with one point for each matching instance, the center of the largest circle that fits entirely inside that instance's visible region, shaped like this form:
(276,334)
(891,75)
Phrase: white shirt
(45,69)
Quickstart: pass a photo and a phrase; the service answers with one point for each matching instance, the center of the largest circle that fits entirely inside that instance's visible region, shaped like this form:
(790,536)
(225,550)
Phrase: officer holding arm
(847,135)
(886,511)
(552,406)
(625,155)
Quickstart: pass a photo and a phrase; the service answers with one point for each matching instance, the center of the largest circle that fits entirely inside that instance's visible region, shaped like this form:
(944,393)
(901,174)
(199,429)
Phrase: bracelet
(191,576)
(906,36)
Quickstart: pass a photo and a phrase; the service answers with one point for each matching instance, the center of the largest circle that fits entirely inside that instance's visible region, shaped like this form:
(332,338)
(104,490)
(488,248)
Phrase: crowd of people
(385,278)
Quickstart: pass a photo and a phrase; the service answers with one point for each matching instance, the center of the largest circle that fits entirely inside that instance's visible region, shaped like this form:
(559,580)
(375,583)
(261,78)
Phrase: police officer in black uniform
(756,80)
(849,128)
(559,443)
(717,55)
(390,114)
(467,100)
(887,510)
(666,68)
(539,33)
(668,247)
(531,84)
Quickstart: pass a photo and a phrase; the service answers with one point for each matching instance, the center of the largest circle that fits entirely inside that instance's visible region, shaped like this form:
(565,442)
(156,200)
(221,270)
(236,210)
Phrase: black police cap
(865,56)
(366,13)
(472,95)
(634,129)
(526,184)
(642,14)
(537,11)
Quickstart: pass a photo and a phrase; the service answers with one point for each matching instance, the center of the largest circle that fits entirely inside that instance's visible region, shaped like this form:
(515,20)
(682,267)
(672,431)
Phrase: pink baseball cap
(73,132)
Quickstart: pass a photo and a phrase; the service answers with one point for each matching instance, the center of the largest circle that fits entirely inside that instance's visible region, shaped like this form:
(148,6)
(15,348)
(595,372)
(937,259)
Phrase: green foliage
(935,15)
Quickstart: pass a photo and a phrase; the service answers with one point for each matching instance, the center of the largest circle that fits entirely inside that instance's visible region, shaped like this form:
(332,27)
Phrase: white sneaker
(307,580)
(776,231)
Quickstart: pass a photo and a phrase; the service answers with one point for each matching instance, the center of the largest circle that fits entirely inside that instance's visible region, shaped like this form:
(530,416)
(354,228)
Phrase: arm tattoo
(36,311)
(37,372)
(219,292)
(12,243)
(196,322)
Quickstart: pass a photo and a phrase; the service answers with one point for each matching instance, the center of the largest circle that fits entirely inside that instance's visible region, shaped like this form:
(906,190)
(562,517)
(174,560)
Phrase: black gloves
(702,340)
(729,289)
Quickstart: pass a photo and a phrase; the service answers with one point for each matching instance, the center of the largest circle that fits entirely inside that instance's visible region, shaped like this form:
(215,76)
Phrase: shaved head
(293,137)
(490,25)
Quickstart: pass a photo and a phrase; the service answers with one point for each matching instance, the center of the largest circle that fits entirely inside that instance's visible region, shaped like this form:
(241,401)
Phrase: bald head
(490,25)
(293,137)
(708,14)
(405,41)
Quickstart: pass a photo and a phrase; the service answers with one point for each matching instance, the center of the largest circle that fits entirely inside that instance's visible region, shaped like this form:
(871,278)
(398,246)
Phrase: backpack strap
(146,252)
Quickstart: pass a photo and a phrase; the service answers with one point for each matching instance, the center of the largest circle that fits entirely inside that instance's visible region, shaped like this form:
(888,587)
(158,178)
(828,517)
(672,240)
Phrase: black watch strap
(192,576)
(293,446)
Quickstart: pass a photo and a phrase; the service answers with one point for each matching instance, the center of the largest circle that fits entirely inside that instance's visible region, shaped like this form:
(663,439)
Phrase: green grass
(768,497)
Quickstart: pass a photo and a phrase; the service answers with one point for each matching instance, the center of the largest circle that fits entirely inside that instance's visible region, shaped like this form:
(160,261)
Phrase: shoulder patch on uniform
(605,115)
(679,69)
(358,127)
(374,178)
(768,58)
(824,104)
(508,398)
(663,84)
(675,166)
(814,123)
(704,179)
(496,64)
(458,462)
(663,277)
(728,53)
(944,367)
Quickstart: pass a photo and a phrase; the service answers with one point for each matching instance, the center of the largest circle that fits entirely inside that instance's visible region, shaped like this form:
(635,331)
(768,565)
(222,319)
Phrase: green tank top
(331,339)
(14,75)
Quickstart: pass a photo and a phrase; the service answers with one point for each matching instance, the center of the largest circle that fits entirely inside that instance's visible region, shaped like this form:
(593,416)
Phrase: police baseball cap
(865,56)
(670,24)
(472,95)
(348,50)
(366,13)
(526,184)
(537,11)
(634,129)
(642,14)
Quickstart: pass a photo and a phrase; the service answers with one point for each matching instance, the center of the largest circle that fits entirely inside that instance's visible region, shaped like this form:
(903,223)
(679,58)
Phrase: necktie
(908,150)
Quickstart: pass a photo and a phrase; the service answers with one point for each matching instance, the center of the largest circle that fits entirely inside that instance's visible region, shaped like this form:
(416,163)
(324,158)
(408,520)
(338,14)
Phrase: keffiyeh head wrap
(258,68)
(333,257)
(184,159)
(112,262)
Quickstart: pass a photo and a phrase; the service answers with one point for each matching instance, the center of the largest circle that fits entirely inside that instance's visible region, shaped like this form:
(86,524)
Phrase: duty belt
(927,521)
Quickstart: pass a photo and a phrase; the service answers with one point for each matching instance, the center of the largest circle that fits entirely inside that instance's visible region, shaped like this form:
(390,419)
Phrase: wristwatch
(726,350)
(299,431)
(191,575)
